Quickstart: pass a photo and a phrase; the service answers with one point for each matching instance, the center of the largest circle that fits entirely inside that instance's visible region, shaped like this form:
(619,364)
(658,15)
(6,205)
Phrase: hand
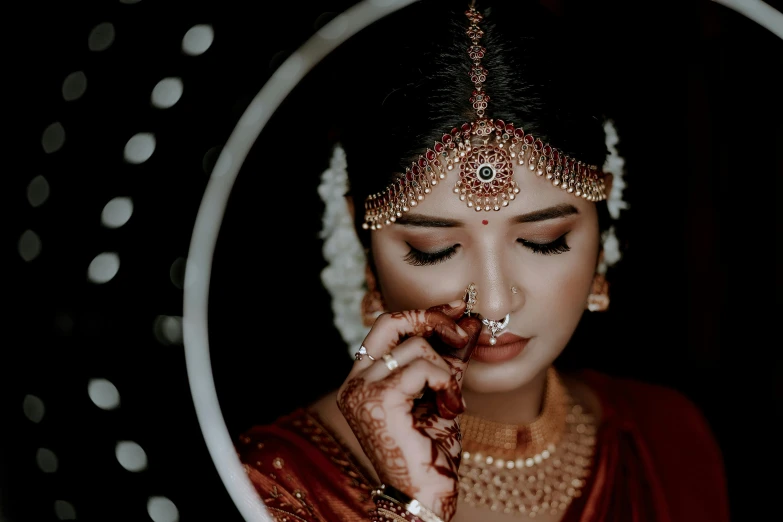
(413,440)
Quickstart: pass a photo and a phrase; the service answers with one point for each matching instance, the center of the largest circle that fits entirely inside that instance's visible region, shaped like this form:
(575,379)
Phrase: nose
(495,298)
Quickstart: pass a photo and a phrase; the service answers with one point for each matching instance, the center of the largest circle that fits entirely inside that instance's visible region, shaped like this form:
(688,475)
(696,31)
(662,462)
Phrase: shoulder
(659,413)
(298,443)
(284,460)
(673,434)
(269,447)
(658,408)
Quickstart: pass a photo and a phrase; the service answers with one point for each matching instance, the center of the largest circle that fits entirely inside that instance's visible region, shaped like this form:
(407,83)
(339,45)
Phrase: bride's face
(533,260)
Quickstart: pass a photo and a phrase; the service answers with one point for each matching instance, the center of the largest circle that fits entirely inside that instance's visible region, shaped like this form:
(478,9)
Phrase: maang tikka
(484,150)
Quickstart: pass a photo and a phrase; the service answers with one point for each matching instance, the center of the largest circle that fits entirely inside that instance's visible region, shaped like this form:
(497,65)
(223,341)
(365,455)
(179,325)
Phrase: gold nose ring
(470,298)
(496,327)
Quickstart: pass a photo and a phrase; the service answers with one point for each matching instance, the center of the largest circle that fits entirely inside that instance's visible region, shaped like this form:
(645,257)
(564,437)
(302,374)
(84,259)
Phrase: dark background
(695,299)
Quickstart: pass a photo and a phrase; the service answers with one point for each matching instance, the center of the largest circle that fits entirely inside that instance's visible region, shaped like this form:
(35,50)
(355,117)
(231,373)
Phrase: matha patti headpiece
(484,150)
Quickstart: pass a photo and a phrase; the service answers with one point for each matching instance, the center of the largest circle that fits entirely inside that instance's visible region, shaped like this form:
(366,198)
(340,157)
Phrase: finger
(405,353)
(420,374)
(390,328)
(453,310)
(459,353)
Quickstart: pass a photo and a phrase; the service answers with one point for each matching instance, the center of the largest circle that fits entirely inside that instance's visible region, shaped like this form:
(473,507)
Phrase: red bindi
(485,222)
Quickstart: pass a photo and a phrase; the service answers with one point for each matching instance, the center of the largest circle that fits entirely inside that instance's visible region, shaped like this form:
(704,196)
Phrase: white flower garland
(614,164)
(343,276)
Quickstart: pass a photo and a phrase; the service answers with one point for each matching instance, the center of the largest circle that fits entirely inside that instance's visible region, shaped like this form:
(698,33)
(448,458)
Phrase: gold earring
(372,302)
(598,299)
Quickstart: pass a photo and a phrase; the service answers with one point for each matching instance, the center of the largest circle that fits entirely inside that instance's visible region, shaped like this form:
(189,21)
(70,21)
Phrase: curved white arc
(760,12)
(205,234)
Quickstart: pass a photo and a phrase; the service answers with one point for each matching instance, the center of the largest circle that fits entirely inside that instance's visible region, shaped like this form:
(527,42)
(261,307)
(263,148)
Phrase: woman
(477,190)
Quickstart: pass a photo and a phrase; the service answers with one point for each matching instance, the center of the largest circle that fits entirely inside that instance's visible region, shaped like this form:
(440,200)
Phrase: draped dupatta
(656,458)
(656,461)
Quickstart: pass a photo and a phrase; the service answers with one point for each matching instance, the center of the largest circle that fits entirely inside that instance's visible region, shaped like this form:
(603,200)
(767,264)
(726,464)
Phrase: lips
(506,348)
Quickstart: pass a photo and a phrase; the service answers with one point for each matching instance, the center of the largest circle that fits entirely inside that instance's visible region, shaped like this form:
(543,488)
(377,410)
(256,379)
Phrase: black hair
(413,86)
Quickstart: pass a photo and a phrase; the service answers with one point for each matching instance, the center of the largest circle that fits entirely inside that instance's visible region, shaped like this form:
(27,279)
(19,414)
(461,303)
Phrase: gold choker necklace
(532,469)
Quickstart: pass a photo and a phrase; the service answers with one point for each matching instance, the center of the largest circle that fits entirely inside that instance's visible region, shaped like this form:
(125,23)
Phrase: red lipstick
(506,348)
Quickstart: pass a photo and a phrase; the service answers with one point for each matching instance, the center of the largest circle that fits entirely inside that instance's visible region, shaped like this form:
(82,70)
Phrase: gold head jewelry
(484,151)
(528,470)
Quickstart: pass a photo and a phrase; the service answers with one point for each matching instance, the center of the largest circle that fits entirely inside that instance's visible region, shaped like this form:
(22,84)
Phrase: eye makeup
(418,257)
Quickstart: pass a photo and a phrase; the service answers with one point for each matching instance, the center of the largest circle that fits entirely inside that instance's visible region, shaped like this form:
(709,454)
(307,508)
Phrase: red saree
(656,461)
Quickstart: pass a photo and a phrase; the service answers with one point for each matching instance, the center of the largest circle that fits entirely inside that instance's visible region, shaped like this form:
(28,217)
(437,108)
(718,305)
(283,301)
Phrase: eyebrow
(544,214)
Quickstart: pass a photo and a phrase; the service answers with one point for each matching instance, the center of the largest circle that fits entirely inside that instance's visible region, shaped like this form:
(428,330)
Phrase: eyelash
(418,258)
(558,246)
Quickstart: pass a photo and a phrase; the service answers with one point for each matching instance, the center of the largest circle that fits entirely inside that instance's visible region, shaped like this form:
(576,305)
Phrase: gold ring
(391,362)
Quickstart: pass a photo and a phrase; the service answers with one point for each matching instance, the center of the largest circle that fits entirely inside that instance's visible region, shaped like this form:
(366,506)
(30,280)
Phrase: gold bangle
(411,505)
(391,515)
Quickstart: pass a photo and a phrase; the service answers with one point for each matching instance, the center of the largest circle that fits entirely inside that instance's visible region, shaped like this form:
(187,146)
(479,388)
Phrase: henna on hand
(434,418)
(445,452)
(362,406)
(454,336)
(428,322)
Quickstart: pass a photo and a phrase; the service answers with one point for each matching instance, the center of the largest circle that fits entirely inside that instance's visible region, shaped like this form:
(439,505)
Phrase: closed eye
(416,257)
(558,246)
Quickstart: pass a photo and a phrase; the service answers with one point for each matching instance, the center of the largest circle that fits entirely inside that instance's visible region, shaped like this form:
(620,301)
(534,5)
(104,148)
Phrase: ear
(351,209)
(600,259)
(608,179)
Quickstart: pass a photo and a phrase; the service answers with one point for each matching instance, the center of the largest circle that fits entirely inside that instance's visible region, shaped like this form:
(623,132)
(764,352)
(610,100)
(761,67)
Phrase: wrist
(394,505)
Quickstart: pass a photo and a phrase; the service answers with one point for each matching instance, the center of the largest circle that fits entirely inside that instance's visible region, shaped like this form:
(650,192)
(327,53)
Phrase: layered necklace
(532,469)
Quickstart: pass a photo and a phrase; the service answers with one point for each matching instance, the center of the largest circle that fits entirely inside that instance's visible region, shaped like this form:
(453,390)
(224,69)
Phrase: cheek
(574,286)
(406,287)
(566,285)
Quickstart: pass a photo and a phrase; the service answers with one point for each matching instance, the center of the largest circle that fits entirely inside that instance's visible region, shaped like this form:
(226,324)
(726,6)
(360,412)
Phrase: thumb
(472,326)
(457,354)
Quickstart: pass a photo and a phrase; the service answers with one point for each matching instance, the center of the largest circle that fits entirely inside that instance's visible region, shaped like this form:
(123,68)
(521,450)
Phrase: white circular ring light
(205,234)
(760,12)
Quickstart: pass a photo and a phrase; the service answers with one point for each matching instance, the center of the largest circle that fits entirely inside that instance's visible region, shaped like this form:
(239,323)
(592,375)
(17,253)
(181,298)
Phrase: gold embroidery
(285,495)
(286,515)
(336,450)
